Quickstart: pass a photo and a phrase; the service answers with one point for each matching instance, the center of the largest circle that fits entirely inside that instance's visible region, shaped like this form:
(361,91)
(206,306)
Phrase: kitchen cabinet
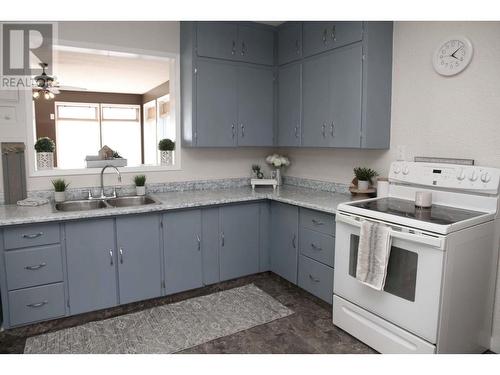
(284,240)
(210,245)
(289,42)
(289,105)
(217,39)
(332,99)
(239,251)
(139,257)
(255,44)
(91,261)
(234,105)
(182,250)
(320,36)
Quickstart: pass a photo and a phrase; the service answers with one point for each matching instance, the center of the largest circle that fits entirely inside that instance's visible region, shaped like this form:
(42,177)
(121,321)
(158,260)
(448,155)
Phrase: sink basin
(82,205)
(131,201)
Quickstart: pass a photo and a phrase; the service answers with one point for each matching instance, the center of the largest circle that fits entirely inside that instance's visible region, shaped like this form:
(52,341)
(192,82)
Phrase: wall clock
(452,56)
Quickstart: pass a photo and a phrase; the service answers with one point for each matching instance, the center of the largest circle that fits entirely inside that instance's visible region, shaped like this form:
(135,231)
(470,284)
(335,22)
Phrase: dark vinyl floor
(308,330)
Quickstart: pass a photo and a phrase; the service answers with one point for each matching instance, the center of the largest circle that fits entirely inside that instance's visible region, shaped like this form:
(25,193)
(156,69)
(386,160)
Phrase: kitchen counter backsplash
(332,187)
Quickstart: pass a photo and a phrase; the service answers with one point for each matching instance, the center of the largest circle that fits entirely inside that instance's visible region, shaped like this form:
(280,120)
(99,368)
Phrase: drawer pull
(317,222)
(38,304)
(313,278)
(33,235)
(315,247)
(37,267)
(294,244)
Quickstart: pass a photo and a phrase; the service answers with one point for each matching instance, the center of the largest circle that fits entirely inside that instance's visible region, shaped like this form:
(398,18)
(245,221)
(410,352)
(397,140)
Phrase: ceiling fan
(48,86)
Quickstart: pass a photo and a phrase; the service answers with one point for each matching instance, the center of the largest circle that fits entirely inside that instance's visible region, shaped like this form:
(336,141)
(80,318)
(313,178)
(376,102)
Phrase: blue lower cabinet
(239,251)
(139,257)
(210,245)
(316,278)
(91,261)
(182,250)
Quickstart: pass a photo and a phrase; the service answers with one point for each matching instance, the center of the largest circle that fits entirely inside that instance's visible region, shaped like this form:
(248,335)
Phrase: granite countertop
(303,197)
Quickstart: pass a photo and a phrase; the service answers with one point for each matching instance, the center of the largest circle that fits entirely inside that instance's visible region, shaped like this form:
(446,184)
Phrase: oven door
(411,295)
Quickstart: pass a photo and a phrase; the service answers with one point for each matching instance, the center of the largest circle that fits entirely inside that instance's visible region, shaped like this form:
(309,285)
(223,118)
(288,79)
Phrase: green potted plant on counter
(364,177)
(60,187)
(44,148)
(140,184)
(166,147)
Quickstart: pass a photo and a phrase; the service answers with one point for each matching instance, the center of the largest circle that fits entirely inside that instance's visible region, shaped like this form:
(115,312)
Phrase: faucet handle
(114,192)
(89,194)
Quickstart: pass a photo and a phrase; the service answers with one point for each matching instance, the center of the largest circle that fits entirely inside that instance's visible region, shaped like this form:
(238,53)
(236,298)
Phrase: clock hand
(453,54)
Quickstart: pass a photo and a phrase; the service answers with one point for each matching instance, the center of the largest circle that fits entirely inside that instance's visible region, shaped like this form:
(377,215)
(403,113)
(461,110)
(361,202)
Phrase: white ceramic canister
(423,199)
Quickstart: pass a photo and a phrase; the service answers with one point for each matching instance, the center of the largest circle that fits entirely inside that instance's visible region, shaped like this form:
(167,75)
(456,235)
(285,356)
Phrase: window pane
(150,139)
(77,112)
(119,113)
(125,138)
(75,140)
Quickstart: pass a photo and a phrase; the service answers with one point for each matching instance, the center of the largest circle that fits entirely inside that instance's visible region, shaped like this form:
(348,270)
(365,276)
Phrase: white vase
(59,196)
(45,160)
(363,185)
(166,157)
(140,190)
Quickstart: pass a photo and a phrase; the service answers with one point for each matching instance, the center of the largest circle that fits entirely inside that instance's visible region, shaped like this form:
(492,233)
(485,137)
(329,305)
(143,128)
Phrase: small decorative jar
(45,160)
(166,157)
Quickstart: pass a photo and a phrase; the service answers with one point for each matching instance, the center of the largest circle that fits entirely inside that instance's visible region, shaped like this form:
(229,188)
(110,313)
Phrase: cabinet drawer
(33,266)
(35,304)
(317,245)
(324,36)
(31,235)
(318,221)
(316,278)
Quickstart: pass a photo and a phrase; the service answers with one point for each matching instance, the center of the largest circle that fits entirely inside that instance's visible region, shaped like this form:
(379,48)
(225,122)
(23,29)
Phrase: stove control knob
(397,169)
(406,171)
(473,176)
(461,175)
(485,177)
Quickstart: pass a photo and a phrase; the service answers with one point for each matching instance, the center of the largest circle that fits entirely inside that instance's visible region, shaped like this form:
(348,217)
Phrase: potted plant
(166,147)
(257,172)
(140,184)
(364,176)
(44,148)
(60,187)
(277,162)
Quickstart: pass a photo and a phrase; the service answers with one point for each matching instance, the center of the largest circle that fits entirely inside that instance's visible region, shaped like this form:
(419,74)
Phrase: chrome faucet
(102,181)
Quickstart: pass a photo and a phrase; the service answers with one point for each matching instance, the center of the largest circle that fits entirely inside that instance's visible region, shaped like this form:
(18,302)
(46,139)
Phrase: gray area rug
(168,328)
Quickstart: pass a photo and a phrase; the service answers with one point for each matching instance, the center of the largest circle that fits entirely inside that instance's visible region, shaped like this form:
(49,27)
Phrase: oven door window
(401,279)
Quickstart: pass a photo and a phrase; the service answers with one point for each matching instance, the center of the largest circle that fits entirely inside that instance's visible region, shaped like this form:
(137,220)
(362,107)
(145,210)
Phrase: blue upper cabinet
(289,104)
(323,36)
(289,42)
(255,44)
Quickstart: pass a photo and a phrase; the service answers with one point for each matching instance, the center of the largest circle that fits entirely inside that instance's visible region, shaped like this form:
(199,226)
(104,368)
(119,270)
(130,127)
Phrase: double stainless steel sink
(88,204)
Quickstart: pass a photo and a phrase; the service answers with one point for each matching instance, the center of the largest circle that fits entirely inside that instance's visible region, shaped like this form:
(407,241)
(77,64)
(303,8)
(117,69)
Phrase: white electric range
(439,290)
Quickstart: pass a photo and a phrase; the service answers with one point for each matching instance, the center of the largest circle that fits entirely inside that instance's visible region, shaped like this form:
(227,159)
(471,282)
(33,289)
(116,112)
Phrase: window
(158,124)
(82,129)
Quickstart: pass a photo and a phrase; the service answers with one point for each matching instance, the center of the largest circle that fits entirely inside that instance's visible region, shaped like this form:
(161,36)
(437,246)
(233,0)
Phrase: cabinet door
(210,245)
(183,257)
(139,257)
(284,240)
(316,101)
(289,105)
(255,45)
(216,104)
(324,36)
(217,39)
(289,42)
(91,260)
(239,253)
(345,95)
(255,106)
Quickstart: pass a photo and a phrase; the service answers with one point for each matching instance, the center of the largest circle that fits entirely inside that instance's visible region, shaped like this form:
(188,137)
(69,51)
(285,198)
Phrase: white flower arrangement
(277,161)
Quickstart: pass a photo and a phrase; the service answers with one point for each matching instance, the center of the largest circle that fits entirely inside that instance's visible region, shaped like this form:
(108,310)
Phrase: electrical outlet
(52,116)
(401,153)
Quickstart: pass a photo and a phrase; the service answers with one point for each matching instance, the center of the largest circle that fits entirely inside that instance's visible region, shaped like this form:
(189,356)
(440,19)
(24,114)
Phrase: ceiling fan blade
(71,88)
(54,90)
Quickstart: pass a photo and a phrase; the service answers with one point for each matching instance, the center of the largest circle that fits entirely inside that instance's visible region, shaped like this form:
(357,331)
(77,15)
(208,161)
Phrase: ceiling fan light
(36,95)
(46,95)
(51,95)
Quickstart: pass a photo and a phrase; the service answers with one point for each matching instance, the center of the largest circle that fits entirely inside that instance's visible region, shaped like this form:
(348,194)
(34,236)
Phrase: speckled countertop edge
(298,196)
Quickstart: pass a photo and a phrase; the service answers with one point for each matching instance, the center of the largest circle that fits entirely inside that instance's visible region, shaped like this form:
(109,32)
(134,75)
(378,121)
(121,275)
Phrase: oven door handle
(413,237)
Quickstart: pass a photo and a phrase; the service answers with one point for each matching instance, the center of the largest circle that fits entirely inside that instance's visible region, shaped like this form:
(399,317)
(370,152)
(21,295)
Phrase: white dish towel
(373,254)
(33,202)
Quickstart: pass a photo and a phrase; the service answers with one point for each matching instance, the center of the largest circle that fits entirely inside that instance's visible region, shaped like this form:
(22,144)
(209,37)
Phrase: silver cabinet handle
(33,235)
(325,32)
(323,130)
(233,49)
(297,47)
(317,222)
(315,247)
(199,242)
(334,33)
(293,241)
(222,239)
(121,255)
(313,278)
(232,130)
(37,267)
(243,49)
(38,304)
(242,130)
(296,131)
(111,257)
(332,128)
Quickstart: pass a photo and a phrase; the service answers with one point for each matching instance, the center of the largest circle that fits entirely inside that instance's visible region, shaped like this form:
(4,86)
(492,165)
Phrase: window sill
(95,171)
